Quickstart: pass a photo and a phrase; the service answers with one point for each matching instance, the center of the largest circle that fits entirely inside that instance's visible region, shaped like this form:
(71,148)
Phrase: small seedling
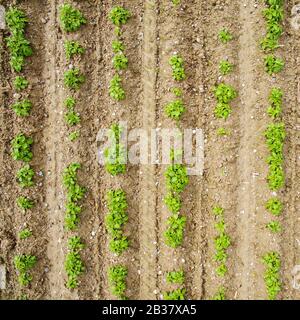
(119,15)
(175,110)
(73,79)
(25,176)
(22,108)
(273,64)
(115,89)
(73,48)
(120,61)
(74,135)
(225,67)
(24,234)
(225,36)
(20,83)
(274,226)
(25,203)
(21,148)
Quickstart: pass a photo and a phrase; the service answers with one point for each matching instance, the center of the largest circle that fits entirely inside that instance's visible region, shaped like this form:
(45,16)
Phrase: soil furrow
(55,135)
(147,220)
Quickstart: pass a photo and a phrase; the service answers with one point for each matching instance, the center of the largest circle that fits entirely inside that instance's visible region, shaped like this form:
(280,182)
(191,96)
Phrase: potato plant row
(21,146)
(71,19)
(224,94)
(275,136)
(115,160)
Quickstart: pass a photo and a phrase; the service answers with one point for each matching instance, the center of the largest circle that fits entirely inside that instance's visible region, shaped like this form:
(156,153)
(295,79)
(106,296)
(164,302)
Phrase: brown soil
(234,171)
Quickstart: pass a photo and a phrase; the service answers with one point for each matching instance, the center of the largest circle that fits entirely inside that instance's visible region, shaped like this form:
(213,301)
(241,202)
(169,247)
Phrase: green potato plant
(73,48)
(22,108)
(117,278)
(23,264)
(71,19)
(272,274)
(25,176)
(21,148)
(73,264)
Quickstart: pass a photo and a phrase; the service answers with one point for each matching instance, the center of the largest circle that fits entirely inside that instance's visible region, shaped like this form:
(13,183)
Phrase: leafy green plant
(176,2)
(22,108)
(275,135)
(275,99)
(119,15)
(178,294)
(225,67)
(16,20)
(218,211)
(178,72)
(222,132)
(72,118)
(176,277)
(24,203)
(71,19)
(120,61)
(117,46)
(73,79)
(274,226)
(274,16)
(18,45)
(21,148)
(23,263)
(175,231)
(177,92)
(177,178)
(73,264)
(20,83)
(25,176)
(70,103)
(115,155)
(74,195)
(222,110)
(220,295)
(222,241)
(73,48)
(225,36)
(175,109)
(173,202)
(272,276)
(24,234)
(75,244)
(115,89)
(274,206)
(224,93)
(117,279)
(273,64)
(74,135)
(115,220)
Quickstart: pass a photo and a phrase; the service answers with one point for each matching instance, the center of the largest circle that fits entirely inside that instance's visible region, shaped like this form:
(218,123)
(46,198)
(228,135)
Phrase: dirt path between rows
(246,212)
(148,220)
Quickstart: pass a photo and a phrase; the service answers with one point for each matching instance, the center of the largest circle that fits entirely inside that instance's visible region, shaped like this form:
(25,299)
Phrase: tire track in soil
(147,220)
(113,112)
(290,241)
(247,202)
(179,31)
